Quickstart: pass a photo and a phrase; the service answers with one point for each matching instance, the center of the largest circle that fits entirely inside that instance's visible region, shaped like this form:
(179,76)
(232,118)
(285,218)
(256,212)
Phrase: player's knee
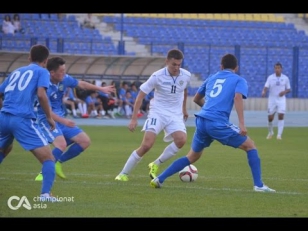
(249,144)
(180,142)
(193,156)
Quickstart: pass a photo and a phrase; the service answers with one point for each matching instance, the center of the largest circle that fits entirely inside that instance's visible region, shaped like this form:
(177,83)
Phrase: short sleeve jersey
(168,92)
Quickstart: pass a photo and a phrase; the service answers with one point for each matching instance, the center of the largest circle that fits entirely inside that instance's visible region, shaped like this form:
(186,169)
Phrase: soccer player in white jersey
(17,118)
(218,94)
(167,113)
(278,86)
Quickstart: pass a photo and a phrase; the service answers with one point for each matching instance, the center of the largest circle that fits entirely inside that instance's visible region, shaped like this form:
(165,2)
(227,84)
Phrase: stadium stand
(260,40)
(263,40)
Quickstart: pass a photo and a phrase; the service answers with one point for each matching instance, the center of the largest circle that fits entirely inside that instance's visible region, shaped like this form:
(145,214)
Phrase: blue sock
(49,174)
(57,153)
(255,166)
(175,167)
(1,157)
(73,151)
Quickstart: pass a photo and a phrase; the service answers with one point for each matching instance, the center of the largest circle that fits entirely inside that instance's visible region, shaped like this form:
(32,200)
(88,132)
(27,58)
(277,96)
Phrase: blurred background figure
(7,25)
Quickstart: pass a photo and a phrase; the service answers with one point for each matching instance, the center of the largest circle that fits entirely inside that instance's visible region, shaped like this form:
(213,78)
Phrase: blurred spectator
(146,102)
(122,93)
(72,101)
(60,16)
(134,90)
(128,102)
(95,106)
(7,25)
(88,22)
(17,24)
(108,102)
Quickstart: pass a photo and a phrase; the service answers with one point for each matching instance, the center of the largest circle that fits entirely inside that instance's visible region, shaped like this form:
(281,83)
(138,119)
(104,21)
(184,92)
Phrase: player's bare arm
(199,99)
(62,120)
(264,91)
(239,107)
(89,86)
(133,122)
(284,92)
(185,113)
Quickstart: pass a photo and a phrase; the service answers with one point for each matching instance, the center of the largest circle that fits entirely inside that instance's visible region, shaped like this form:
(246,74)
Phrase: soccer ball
(189,173)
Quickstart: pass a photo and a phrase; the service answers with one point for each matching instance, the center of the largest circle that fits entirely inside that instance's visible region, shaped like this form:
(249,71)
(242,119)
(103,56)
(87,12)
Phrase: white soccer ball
(189,173)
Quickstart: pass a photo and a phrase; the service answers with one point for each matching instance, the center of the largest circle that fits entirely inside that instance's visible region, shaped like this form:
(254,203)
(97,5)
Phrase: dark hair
(175,54)
(16,17)
(229,61)
(39,53)
(54,63)
(7,17)
(278,64)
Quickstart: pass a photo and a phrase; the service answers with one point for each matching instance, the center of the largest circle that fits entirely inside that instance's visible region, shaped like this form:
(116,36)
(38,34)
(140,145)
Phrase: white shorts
(274,106)
(170,125)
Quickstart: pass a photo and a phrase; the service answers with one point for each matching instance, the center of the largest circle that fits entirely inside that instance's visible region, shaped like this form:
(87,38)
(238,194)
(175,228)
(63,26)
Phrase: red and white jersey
(168,92)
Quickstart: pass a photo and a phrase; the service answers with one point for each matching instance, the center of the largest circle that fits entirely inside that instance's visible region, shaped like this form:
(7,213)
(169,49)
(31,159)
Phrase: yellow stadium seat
(194,16)
(134,15)
(241,17)
(217,17)
(145,15)
(161,15)
(210,16)
(153,15)
(233,17)
(249,17)
(202,16)
(279,19)
(225,17)
(272,18)
(257,17)
(186,16)
(169,15)
(264,17)
(177,15)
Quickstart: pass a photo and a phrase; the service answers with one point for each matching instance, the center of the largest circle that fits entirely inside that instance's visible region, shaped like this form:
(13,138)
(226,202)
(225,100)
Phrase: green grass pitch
(223,188)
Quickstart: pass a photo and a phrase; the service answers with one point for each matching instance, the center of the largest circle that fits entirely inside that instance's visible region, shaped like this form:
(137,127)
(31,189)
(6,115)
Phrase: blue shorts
(26,131)
(207,131)
(60,130)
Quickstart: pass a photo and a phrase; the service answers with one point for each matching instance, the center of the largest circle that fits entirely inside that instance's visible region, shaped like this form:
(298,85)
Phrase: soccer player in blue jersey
(66,134)
(17,117)
(216,97)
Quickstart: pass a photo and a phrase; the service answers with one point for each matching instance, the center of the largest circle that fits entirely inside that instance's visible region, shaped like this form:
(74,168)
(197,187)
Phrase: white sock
(74,112)
(84,105)
(280,127)
(131,162)
(80,108)
(270,127)
(168,152)
(94,113)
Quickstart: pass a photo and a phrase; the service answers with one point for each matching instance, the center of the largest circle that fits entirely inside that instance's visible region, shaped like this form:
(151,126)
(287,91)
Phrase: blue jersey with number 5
(20,90)
(219,91)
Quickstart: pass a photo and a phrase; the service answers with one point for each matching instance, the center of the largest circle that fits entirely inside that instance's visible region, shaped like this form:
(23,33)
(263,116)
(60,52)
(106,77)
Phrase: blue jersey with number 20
(20,90)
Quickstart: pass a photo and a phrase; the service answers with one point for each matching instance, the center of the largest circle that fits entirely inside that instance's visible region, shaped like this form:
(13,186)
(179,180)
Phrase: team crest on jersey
(181,82)
(61,87)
